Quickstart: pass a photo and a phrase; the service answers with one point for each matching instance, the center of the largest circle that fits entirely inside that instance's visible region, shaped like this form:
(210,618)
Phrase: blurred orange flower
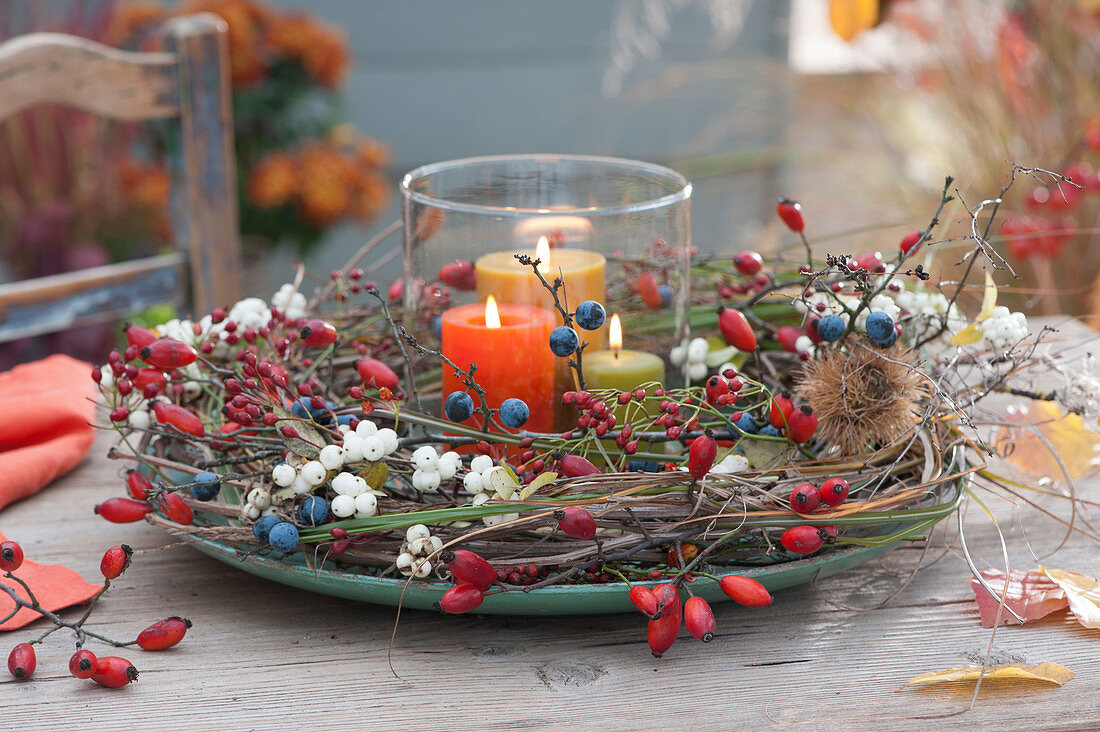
(129,19)
(322,49)
(274,181)
(245,19)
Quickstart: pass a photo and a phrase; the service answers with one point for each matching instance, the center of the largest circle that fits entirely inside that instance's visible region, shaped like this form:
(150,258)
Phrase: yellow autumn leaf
(543,479)
(849,18)
(1083,593)
(970,334)
(1053,673)
(1078,447)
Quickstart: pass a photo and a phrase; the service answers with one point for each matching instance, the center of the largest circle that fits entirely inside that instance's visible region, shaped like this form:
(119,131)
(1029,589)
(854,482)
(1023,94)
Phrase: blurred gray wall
(699,85)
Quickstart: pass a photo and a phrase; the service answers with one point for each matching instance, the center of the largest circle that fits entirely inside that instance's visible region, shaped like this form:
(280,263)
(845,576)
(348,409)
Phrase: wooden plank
(47,304)
(208,212)
(41,68)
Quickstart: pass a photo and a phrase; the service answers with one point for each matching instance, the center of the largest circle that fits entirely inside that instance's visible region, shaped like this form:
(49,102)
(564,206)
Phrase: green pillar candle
(619,369)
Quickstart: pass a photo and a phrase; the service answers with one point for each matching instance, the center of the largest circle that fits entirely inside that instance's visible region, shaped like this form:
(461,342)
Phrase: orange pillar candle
(510,345)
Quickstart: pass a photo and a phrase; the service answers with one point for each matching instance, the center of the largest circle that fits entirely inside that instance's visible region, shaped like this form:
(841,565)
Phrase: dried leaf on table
(1078,447)
(1032,595)
(1053,673)
(1083,593)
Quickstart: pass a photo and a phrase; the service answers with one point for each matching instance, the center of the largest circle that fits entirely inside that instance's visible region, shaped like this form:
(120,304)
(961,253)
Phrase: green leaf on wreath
(307,434)
(376,475)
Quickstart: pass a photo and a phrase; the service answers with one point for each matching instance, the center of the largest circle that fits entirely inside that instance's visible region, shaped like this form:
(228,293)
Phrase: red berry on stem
(801,424)
(115,561)
(82,664)
(163,634)
(791,213)
(469,568)
(377,374)
(11,556)
(138,484)
(736,329)
(574,466)
(699,619)
(460,275)
(182,419)
(911,239)
(701,455)
(122,510)
(662,631)
(138,336)
(316,333)
(834,491)
(114,672)
(21,661)
(118,414)
(805,498)
(748,262)
(801,539)
(175,509)
(397,289)
(168,353)
(644,599)
(779,411)
(745,591)
(647,288)
(461,599)
(786,337)
(576,522)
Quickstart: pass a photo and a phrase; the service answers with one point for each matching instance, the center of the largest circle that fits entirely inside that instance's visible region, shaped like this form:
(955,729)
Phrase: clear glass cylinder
(616,231)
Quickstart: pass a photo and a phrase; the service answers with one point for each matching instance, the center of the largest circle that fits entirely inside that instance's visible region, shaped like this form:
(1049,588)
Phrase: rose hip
(163,634)
(114,672)
(122,510)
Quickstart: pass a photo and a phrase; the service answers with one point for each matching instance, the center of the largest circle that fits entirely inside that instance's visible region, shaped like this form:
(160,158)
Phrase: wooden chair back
(190,81)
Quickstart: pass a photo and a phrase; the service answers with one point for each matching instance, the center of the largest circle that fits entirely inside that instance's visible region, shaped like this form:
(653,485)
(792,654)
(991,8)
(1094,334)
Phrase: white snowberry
(344,484)
(373,449)
(366,505)
(331,457)
(353,447)
(425,458)
(343,506)
(417,531)
(283,475)
(481,463)
(425,480)
(474,483)
(313,473)
(389,440)
(259,498)
(366,428)
(139,419)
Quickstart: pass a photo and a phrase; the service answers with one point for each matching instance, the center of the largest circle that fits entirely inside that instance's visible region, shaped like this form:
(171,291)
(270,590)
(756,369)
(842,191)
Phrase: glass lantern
(615,231)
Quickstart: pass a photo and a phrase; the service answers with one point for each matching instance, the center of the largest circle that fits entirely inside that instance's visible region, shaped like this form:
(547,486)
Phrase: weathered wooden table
(264,656)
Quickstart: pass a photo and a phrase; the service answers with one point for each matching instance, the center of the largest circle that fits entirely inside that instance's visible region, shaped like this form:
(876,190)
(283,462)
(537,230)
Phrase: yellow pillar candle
(501,275)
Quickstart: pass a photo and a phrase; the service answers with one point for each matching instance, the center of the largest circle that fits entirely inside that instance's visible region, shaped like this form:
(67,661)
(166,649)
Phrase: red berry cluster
(598,416)
(108,671)
(667,613)
(798,424)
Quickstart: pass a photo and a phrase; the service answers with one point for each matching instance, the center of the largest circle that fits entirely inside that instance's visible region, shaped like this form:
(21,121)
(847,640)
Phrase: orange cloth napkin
(45,431)
(54,585)
(45,423)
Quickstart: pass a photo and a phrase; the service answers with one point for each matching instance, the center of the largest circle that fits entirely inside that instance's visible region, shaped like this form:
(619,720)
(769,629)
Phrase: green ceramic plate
(555,600)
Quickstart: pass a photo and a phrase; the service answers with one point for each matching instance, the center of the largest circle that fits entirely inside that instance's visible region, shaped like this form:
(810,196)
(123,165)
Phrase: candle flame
(492,315)
(542,252)
(615,334)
